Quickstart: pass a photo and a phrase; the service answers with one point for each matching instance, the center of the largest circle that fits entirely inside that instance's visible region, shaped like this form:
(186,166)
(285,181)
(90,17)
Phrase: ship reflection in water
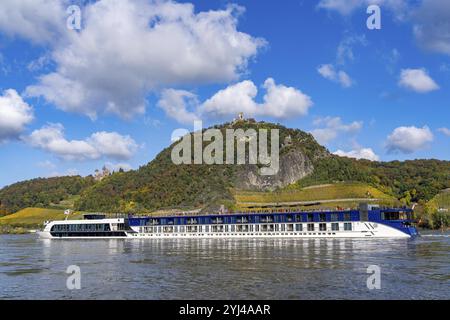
(225,268)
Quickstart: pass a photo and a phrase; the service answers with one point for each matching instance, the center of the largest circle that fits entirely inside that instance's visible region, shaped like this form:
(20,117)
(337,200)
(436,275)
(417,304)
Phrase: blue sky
(113,92)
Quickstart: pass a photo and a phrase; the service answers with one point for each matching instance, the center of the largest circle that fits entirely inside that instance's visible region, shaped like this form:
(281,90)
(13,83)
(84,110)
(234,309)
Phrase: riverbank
(6,229)
(28,219)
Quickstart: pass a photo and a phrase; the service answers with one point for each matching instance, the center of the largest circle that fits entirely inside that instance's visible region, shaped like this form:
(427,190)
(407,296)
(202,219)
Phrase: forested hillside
(162,184)
(41,192)
(411,180)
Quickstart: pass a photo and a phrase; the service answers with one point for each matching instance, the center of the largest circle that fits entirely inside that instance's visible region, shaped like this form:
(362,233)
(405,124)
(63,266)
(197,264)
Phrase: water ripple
(225,269)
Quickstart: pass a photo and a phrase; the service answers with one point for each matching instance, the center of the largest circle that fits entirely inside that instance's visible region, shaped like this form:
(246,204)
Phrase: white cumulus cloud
(128,49)
(409,139)
(432,25)
(41,21)
(113,145)
(328,71)
(417,80)
(445,131)
(176,103)
(331,127)
(15,114)
(100,144)
(430,19)
(279,101)
(346,7)
(363,153)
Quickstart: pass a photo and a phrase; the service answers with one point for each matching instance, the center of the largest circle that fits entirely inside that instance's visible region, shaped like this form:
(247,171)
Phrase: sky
(85,84)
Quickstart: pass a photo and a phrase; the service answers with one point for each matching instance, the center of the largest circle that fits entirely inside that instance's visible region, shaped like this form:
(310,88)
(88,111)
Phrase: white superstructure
(363,223)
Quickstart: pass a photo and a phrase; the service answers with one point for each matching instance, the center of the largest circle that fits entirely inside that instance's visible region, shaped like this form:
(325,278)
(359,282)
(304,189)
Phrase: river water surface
(31,268)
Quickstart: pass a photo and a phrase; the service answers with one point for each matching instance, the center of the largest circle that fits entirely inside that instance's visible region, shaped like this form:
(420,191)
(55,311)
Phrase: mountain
(161,184)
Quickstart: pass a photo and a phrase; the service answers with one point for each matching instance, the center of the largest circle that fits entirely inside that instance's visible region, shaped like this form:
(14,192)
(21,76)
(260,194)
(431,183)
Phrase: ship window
(403,216)
(283,227)
(310,217)
(298,227)
(192,221)
(335,226)
(310,226)
(347,226)
(322,217)
(322,227)
(257,228)
(347,216)
(241,219)
(334,217)
(390,216)
(217,220)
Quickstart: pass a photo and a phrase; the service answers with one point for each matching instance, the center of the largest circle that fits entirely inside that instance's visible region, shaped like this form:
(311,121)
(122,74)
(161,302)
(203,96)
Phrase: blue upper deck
(380,215)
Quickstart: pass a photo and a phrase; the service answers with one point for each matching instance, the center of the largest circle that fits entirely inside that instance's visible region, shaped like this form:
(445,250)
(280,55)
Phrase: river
(32,268)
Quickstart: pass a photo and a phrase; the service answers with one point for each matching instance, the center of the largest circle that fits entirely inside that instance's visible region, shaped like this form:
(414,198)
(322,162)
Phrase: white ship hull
(377,223)
(359,230)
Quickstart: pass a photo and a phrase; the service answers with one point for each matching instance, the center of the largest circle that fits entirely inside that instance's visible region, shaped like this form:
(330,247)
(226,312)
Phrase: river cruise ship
(366,222)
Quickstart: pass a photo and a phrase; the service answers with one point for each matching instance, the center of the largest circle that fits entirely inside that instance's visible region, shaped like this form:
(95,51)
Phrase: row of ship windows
(310,217)
(89,227)
(298,227)
(235,234)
